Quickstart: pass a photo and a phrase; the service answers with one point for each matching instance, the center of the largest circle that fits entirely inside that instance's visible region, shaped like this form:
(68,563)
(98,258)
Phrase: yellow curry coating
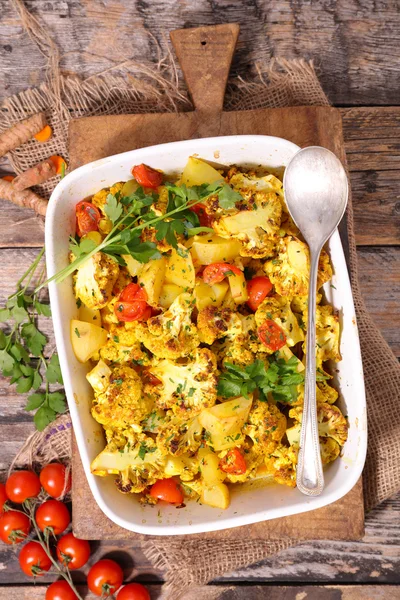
(157,382)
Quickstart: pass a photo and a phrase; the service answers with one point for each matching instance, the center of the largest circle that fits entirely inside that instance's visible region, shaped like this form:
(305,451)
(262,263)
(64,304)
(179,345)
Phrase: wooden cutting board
(205,56)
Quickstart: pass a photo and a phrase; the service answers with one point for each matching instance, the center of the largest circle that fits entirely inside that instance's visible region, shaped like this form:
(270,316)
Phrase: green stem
(31,268)
(46,547)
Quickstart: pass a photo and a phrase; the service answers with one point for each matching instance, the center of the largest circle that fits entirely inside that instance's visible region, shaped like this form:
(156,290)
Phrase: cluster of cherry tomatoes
(50,519)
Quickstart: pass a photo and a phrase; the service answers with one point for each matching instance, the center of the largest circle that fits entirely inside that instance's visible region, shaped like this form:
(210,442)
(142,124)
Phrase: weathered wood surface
(248,592)
(355,44)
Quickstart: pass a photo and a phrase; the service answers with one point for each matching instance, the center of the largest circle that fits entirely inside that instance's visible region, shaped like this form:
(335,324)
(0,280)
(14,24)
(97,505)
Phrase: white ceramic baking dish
(253,502)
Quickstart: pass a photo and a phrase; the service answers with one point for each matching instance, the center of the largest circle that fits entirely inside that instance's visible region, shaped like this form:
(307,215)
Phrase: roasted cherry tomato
(60,590)
(87,218)
(53,514)
(258,289)
(217,272)
(105,578)
(233,462)
(132,305)
(14,527)
(133,292)
(133,591)
(73,552)
(168,490)
(52,478)
(271,335)
(33,560)
(146,176)
(3,496)
(204,218)
(22,485)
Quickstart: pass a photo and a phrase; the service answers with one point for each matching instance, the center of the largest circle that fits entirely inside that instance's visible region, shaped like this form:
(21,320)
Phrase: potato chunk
(224,422)
(86,339)
(209,249)
(152,277)
(179,269)
(216,496)
(197,172)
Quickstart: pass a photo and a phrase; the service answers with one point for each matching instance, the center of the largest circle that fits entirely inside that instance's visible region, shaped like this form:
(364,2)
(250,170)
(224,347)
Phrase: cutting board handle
(205,55)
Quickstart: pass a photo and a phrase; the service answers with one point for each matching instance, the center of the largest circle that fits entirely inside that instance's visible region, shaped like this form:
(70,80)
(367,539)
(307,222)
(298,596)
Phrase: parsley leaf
(81,248)
(113,208)
(280,379)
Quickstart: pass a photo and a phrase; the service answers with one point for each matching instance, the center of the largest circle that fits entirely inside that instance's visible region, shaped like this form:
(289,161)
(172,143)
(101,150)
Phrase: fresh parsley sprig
(22,346)
(130,215)
(280,379)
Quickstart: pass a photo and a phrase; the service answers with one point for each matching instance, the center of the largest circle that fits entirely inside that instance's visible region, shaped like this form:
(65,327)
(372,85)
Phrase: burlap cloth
(188,565)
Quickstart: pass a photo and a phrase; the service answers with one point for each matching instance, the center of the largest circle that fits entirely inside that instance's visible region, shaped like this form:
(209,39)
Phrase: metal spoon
(316,193)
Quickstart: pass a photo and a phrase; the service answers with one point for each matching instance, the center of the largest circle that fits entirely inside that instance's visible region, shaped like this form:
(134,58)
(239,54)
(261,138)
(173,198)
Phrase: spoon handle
(310,477)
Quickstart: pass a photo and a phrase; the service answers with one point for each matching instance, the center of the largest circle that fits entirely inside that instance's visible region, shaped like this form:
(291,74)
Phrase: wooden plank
(245,592)
(355,45)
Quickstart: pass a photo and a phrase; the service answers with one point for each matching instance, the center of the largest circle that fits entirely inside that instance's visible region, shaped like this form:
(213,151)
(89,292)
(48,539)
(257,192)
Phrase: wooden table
(356,48)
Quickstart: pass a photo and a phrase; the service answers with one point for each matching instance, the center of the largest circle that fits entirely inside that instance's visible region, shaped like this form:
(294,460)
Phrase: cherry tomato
(87,218)
(204,218)
(22,485)
(132,305)
(146,176)
(233,462)
(60,590)
(3,496)
(14,527)
(73,552)
(271,335)
(54,514)
(33,560)
(105,578)
(133,292)
(167,490)
(52,478)
(133,591)
(217,272)
(258,288)
(130,311)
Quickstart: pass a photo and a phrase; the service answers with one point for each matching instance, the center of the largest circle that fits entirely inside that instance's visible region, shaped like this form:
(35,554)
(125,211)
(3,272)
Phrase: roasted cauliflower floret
(186,387)
(253,458)
(241,346)
(331,422)
(282,465)
(172,334)
(289,270)
(177,436)
(299,303)
(324,393)
(138,463)
(121,405)
(99,377)
(214,323)
(256,223)
(278,309)
(95,279)
(328,334)
(123,347)
(266,426)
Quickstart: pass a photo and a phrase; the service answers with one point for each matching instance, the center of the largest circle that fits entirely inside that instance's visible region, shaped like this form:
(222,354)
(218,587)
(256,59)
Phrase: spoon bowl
(316,194)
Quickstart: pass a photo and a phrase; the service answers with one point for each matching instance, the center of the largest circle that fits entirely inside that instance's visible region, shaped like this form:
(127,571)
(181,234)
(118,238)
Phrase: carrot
(35,175)
(59,163)
(25,198)
(44,135)
(8,178)
(21,132)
